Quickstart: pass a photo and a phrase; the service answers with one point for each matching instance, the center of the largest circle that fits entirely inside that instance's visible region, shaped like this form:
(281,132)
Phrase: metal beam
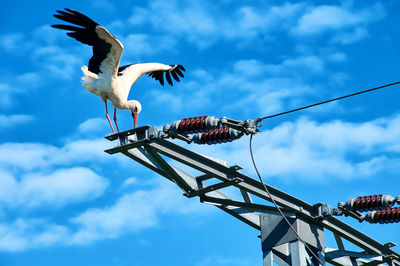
(147,150)
(255,187)
(146,158)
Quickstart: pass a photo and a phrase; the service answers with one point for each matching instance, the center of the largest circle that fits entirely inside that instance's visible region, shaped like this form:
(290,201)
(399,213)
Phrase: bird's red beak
(135,118)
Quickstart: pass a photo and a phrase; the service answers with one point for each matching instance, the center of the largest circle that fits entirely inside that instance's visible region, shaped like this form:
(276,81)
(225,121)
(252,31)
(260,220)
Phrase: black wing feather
(160,78)
(77,19)
(174,75)
(85,34)
(168,77)
(66,27)
(82,17)
(159,75)
(178,71)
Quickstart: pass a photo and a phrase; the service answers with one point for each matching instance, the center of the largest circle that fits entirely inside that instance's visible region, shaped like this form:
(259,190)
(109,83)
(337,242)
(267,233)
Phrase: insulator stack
(219,135)
(195,124)
(369,203)
(385,216)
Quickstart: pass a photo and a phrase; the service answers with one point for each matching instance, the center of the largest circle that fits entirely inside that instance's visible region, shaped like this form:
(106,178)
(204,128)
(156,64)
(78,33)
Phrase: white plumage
(104,77)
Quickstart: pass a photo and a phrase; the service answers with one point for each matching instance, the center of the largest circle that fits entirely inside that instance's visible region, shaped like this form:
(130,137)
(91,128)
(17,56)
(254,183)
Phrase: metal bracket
(132,138)
(248,126)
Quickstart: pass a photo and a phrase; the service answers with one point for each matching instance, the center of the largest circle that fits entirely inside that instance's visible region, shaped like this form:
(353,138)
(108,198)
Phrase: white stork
(104,77)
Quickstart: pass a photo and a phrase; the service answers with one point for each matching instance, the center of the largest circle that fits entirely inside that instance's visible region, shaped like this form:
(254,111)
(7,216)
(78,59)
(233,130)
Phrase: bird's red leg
(115,118)
(108,117)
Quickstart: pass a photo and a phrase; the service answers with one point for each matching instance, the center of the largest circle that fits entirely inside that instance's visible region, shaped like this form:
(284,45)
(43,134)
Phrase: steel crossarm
(145,156)
(147,152)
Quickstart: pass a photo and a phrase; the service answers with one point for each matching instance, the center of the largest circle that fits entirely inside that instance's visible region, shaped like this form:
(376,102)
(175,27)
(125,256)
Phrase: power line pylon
(149,146)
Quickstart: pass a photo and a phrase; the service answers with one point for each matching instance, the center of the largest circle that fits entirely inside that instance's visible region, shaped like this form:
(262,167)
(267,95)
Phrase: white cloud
(22,43)
(337,57)
(57,188)
(26,155)
(36,174)
(349,37)
(28,79)
(44,47)
(168,100)
(13,85)
(203,23)
(142,45)
(14,120)
(323,18)
(103,4)
(11,238)
(53,234)
(253,86)
(12,42)
(303,149)
(308,150)
(129,182)
(132,212)
(61,187)
(347,23)
(139,16)
(53,56)
(59,62)
(5,95)
(29,156)
(92,125)
(304,64)
(23,234)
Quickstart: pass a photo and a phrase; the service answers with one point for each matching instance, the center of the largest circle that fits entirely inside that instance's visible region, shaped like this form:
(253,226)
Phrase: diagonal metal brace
(210,188)
(250,207)
(175,177)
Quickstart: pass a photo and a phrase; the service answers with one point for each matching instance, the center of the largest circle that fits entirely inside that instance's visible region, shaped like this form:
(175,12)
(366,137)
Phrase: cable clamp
(248,126)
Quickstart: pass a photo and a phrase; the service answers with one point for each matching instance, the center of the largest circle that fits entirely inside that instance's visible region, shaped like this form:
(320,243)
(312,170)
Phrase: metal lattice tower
(149,146)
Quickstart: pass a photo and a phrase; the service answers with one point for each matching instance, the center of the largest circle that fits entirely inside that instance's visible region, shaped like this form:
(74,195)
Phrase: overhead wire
(277,207)
(291,111)
(328,101)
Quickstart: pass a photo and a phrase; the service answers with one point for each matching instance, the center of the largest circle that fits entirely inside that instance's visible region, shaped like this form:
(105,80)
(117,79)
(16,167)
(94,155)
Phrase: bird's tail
(88,77)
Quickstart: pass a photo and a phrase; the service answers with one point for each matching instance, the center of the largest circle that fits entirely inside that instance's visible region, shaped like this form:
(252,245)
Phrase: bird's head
(135,108)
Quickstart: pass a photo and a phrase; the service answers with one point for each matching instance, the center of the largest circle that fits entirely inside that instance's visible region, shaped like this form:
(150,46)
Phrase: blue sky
(63,201)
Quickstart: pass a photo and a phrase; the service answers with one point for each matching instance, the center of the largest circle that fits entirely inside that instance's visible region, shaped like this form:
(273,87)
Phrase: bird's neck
(123,104)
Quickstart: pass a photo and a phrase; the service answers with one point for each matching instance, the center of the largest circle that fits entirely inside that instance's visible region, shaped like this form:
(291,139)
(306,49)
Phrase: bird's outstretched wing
(175,71)
(107,49)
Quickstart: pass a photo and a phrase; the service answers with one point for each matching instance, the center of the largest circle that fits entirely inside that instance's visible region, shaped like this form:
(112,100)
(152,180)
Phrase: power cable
(276,205)
(291,111)
(328,101)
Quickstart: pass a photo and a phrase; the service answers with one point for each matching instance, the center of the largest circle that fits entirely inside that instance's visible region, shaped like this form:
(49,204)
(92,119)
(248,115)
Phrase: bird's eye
(135,110)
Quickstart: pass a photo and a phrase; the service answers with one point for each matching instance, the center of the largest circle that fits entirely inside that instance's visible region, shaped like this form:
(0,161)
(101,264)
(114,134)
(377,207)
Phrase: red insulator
(195,124)
(367,203)
(192,124)
(374,201)
(182,124)
(363,202)
(385,216)
(219,135)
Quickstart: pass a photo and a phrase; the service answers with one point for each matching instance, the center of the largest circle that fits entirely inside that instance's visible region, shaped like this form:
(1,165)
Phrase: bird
(104,76)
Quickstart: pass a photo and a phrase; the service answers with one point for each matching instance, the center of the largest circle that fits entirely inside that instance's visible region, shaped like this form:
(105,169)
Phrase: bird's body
(103,76)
